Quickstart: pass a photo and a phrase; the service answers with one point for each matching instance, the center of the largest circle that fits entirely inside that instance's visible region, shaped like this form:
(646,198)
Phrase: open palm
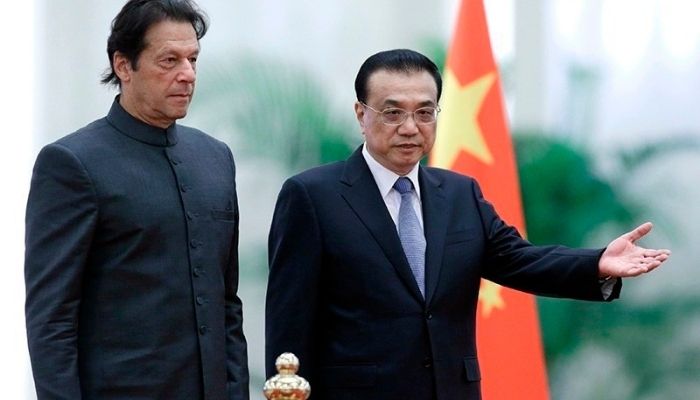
(623,258)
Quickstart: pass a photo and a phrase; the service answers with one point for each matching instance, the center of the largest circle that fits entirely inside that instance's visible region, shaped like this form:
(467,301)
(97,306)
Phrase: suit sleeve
(60,221)
(554,271)
(236,345)
(295,257)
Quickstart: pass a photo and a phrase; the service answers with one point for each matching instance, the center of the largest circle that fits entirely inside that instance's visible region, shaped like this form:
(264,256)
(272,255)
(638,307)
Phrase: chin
(178,114)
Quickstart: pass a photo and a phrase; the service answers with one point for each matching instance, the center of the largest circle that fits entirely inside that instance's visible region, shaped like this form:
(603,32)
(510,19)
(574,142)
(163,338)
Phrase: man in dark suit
(375,262)
(132,234)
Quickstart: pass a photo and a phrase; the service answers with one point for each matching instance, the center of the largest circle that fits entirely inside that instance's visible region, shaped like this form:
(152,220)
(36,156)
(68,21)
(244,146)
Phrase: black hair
(397,60)
(129,28)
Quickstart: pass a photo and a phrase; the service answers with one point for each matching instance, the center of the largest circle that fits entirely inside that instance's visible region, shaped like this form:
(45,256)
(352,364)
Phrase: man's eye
(393,112)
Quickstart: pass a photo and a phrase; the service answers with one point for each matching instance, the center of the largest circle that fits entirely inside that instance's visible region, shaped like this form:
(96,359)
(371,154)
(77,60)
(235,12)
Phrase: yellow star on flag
(490,297)
(458,128)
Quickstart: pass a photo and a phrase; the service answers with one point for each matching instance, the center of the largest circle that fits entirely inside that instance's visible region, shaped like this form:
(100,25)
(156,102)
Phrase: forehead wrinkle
(171,36)
(178,49)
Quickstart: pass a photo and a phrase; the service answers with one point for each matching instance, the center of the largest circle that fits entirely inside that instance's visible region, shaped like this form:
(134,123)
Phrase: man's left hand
(623,258)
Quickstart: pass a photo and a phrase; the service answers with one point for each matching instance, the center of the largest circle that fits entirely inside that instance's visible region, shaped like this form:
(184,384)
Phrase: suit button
(429,316)
(175,161)
(194,243)
(203,329)
(190,215)
(427,362)
(201,300)
(184,188)
(197,271)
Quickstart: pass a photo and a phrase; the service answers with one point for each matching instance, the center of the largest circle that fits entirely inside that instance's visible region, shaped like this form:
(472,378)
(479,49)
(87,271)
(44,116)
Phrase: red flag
(473,139)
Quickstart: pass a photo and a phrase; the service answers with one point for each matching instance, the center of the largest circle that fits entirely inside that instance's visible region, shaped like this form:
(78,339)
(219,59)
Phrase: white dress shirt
(385,180)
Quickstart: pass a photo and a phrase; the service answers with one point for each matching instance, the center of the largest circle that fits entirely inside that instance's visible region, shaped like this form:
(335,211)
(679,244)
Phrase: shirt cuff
(606,286)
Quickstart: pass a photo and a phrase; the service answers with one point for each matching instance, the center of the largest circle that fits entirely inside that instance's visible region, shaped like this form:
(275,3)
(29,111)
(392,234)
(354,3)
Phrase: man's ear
(122,66)
(360,114)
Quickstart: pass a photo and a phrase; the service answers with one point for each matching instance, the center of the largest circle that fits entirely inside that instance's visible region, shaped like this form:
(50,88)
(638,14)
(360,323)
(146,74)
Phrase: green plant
(277,111)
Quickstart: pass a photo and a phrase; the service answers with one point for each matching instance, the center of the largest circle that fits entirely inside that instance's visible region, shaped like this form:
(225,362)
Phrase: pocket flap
(471,367)
(224,215)
(461,236)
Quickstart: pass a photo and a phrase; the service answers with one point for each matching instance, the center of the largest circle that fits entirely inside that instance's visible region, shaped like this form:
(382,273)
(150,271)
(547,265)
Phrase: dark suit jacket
(341,295)
(132,266)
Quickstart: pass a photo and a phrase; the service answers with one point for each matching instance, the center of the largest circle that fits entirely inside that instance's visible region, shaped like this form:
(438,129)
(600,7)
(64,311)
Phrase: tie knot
(403,185)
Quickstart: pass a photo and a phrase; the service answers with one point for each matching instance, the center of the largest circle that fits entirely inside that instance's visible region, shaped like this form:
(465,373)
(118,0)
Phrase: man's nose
(409,126)
(187,71)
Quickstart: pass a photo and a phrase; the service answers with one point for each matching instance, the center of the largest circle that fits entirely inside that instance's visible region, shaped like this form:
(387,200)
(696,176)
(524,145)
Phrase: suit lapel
(435,219)
(360,191)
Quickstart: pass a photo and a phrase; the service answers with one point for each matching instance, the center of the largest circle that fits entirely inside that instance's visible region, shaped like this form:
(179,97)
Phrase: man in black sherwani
(131,261)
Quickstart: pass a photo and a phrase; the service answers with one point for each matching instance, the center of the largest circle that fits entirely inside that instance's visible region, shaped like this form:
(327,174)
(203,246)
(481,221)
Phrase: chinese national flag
(473,139)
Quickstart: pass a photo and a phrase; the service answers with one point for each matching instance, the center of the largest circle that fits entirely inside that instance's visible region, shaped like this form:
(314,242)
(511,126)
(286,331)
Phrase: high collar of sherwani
(136,129)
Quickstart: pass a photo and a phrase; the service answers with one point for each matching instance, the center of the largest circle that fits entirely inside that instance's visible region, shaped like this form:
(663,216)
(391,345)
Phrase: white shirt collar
(384,177)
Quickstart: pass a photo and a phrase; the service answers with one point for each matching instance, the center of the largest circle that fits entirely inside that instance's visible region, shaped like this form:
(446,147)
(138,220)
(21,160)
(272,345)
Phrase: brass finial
(287,385)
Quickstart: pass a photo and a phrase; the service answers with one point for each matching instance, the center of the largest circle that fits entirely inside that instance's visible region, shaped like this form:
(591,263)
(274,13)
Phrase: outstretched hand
(623,258)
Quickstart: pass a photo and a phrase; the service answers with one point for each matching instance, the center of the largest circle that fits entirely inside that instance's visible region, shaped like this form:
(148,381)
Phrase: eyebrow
(395,103)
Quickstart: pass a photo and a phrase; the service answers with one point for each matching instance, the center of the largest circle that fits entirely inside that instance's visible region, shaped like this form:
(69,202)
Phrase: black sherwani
(131,265)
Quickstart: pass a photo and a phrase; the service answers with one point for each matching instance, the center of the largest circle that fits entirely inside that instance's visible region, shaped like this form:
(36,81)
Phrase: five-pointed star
(490,297)
(458,128)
